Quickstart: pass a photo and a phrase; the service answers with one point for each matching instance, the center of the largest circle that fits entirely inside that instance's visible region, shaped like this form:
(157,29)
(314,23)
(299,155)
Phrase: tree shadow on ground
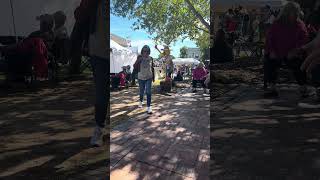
(259,138)
(43,129)
(173,142)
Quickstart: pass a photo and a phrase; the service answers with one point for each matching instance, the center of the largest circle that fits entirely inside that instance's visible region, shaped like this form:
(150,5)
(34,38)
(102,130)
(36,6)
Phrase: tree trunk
(197,14)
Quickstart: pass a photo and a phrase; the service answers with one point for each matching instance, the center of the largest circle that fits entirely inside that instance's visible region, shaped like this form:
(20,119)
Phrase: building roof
(120,40)
(194,48)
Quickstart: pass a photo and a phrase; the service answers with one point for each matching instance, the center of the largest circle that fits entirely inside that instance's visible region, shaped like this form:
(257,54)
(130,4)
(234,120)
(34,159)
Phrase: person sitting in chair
(199,76)
(46,30)
(60,31)
(179,76)
(31,51)
(128,74)
(61,44)
(122,76)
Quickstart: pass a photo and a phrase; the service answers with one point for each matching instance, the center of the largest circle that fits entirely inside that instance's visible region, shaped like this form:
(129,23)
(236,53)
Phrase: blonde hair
(288,9)
(201,65)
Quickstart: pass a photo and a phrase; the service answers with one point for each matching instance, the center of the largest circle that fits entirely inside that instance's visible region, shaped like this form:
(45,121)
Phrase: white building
(193,53)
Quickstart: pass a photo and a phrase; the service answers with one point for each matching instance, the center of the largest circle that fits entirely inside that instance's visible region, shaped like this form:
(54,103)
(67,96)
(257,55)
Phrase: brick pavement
(172,143)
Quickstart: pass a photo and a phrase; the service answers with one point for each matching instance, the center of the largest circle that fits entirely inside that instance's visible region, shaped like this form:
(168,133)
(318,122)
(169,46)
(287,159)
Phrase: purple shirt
(199,73)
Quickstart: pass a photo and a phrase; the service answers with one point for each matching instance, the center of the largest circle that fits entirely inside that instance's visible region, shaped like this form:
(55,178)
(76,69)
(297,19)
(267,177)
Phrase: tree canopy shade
(168,20)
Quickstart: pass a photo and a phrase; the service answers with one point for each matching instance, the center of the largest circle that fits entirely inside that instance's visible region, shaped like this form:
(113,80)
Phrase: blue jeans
(145,85)
(100,74)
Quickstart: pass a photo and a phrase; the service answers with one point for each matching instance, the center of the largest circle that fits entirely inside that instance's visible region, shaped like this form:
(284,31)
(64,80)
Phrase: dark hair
(147,48)
(59,18)
(46,22)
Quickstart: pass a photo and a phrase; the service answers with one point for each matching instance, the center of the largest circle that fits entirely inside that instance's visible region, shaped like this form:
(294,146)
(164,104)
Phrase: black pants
(272,66)
(128,77)
(134,77)
(100,74)
(195,82)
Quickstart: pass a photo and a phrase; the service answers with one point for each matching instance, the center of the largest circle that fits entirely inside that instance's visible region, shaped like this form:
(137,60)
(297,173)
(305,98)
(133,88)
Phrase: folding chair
(85,63)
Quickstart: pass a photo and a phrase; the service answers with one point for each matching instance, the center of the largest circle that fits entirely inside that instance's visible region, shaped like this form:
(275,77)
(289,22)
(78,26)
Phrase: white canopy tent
(120,56)
(18,17)
(185,61)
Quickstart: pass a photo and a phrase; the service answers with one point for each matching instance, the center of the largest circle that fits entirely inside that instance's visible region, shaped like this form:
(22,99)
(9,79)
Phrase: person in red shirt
(122,76)
(231,26)
(199,75)
(285,35)
(31,51)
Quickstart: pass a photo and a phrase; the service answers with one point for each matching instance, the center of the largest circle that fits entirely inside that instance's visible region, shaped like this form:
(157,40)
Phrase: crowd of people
(35,50)
(291,37)
(290,41)
(144,69)
(253,23)
(247,23)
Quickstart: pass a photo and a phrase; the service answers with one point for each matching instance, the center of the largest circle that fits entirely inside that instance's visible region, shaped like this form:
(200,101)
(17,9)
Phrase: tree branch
(202,29)
(197,14)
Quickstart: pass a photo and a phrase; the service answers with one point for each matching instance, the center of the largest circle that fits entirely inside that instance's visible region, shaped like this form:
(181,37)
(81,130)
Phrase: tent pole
(13,20)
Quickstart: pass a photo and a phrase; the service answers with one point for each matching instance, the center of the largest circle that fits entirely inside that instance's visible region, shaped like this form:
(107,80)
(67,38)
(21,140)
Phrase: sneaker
(304,91)
(140,104)
(97,138)
(149,110)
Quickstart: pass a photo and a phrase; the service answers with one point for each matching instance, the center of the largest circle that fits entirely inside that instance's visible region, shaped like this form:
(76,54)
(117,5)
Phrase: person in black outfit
(221,51)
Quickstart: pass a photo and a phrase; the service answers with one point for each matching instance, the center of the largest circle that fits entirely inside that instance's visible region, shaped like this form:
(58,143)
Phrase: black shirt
(222,52)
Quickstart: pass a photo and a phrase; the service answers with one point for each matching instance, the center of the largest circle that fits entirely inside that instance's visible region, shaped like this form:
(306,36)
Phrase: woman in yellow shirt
(167,59)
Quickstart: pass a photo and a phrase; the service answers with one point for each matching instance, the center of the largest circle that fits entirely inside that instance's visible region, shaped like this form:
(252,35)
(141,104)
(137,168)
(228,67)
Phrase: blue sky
(123,27)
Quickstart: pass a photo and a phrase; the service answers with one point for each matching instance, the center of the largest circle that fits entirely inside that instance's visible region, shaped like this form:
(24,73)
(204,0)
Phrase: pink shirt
(199,74)
(283,38)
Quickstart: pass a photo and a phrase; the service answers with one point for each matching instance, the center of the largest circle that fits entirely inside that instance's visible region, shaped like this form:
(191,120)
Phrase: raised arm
(156,47)
(313,44)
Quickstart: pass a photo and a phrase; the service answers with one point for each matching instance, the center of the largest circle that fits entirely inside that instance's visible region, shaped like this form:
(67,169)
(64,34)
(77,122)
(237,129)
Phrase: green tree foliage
(203,42)
(167,20)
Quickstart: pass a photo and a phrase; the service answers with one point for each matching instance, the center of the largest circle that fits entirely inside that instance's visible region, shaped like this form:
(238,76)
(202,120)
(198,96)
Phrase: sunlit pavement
(172,143)
(263,138)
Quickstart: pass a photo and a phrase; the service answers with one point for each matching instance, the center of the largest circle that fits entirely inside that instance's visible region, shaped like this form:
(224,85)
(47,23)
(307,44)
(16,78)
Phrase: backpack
(136,66)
